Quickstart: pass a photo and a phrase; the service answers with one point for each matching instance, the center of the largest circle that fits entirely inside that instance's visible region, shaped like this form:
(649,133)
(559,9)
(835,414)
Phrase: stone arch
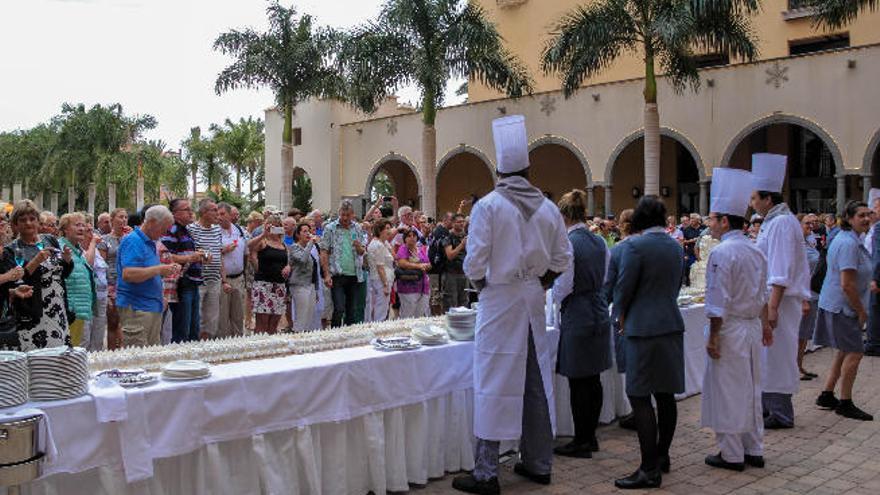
(388,159)
(465,148)
(782,118)
(664,131)
(463,173)
(872,150)
(570,146)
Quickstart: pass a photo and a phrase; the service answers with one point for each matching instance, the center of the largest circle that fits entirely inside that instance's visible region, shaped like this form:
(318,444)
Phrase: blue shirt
(138,251)
(289,240)
(846,253)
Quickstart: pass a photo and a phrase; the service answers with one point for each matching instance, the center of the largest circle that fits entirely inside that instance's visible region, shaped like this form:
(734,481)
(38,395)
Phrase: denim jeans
(185,313)
(345,291)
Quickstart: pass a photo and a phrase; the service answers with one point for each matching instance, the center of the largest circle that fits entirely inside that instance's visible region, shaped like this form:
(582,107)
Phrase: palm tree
(240,143)
(427,43)
(293,59)
(835,14)
(590,38)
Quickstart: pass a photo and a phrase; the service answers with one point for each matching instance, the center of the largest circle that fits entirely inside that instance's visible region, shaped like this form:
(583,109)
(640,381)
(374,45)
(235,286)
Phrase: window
(297,136)
(822,43)
(711,60)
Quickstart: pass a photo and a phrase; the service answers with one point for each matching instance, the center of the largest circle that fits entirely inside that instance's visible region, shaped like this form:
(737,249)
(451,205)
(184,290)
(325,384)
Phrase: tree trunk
(237,180)
(16,192)
(38,200)
(71,199)
(429,155)
(93,192)
(6,194)
(139,201)
(54,203)
(652,127)
(287,158)
(195,179)
(111,196)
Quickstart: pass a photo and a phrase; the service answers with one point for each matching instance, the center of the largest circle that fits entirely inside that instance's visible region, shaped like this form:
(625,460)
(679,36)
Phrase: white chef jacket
(781,240)
(510,253)
(736,275)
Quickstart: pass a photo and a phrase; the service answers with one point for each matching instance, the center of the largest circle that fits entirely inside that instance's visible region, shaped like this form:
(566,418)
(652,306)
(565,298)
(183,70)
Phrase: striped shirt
(208,239)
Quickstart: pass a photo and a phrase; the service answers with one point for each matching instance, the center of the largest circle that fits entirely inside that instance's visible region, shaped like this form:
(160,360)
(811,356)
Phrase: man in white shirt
(781,239)
(517,246)
(736,279)
(234,241)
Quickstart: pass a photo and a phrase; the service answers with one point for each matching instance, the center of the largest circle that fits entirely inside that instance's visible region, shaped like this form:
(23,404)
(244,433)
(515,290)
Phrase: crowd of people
(185,272)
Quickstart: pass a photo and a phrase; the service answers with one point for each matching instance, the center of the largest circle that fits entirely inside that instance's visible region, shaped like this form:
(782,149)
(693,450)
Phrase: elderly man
(104,223)
(182,250)
(781,239)
(139,288)
(234,240)
(318,218)
(341,245)
(208,239)
(512,373)
(691,237)
(234,215)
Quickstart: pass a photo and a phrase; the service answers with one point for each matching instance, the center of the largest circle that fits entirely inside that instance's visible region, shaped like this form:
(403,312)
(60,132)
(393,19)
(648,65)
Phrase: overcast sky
(152,56)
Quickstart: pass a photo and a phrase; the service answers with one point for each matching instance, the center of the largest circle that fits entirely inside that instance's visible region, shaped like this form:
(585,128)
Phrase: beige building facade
(819,104)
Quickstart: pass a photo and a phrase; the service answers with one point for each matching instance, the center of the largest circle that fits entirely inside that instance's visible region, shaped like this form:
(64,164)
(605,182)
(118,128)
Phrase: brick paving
(823,454)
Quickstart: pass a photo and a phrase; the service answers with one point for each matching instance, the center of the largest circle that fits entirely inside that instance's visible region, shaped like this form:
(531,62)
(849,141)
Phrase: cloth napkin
(47,441)
(110,400)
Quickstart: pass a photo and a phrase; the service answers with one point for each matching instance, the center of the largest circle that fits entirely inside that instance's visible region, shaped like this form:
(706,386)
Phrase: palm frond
(834,14)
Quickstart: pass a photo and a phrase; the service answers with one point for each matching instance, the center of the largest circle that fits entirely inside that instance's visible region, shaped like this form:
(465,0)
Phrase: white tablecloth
(616,404)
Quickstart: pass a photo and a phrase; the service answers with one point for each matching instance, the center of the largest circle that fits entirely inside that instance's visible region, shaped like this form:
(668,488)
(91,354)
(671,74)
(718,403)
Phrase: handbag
(408,275)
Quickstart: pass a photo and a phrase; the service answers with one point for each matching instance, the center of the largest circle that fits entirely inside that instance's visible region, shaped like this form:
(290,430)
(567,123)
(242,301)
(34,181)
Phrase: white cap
(768,172)
(511,144)
(873,195)
(731,191)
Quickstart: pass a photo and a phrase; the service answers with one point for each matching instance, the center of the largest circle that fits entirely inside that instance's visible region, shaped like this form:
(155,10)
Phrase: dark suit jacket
(648,280)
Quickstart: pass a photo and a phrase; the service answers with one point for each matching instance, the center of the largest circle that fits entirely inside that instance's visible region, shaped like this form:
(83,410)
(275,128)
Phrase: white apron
(779,368)
(731,400)
(503,318)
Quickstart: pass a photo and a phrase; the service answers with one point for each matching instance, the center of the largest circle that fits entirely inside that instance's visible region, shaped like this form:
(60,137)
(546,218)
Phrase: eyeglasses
(183,209)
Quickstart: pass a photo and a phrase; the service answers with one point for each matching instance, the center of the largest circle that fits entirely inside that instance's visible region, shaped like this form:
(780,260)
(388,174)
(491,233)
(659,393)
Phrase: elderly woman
(585,340)
(10,273)
(302,276)
(46,266)
(645,298)
(843,309)
(108,247)
(381,263)
(270,290)
(808,322)
(413,286)
(80,282)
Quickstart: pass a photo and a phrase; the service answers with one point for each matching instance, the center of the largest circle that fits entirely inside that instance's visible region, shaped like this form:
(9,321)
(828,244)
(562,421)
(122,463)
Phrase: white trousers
(304,301)
(95,330)
(735,446)
(209,307)
(414,305)
(379,302)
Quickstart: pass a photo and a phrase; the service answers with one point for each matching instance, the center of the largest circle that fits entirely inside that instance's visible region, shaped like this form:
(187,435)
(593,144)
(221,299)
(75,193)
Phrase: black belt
(235,276)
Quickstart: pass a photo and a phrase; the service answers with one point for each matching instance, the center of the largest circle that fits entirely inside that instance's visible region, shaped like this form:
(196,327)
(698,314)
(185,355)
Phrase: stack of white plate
(430,334)
(186,369)
(13,378)
(461,323)
(58,373)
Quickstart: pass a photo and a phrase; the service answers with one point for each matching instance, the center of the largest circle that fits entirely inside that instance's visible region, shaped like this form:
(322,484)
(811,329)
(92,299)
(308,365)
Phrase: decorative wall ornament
(391,127)
(548,105)
(777,75)
(502,110)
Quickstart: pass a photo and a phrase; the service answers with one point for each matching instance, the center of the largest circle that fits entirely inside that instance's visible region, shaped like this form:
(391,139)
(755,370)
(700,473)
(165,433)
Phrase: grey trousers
(536,443)
(778,406)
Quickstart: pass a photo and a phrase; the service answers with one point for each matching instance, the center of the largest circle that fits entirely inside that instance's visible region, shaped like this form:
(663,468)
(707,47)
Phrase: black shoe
(719,462)
(628,422)
(572,449)
(664,464)
(593,444)
(640,479)
(849,410)
(468,484)
(774,424)
(827,400)
(541,479)
(755,460)
(872,352)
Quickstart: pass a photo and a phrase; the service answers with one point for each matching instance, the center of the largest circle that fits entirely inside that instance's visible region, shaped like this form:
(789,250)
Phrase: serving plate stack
(13,378)
(430,334)
(185,370)
(58,373)
(395,344)
(461,323)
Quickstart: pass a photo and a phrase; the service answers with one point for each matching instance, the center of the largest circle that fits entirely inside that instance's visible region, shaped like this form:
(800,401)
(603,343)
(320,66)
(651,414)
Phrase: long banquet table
(346,421)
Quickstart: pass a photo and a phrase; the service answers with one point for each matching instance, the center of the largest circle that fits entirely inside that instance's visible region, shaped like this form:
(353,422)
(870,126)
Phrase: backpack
(437,255)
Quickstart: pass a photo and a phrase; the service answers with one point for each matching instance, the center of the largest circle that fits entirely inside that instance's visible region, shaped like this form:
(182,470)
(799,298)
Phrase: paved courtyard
(823,454)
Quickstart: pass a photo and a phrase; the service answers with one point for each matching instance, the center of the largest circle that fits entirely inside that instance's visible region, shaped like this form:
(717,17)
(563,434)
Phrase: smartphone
(277,230)
(386,198)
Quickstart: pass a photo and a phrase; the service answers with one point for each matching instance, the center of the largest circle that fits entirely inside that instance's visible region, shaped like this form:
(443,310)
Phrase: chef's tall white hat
(511,143)
(873,195)
(731,191)
(768,172)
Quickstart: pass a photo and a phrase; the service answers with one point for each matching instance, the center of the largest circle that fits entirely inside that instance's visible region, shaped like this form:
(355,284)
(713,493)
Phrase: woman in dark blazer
(584,342)
(646,300)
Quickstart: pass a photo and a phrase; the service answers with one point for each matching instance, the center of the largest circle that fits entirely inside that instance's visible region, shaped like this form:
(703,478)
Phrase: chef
(736,278)
(872,340)
(788,283)
(517,246)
